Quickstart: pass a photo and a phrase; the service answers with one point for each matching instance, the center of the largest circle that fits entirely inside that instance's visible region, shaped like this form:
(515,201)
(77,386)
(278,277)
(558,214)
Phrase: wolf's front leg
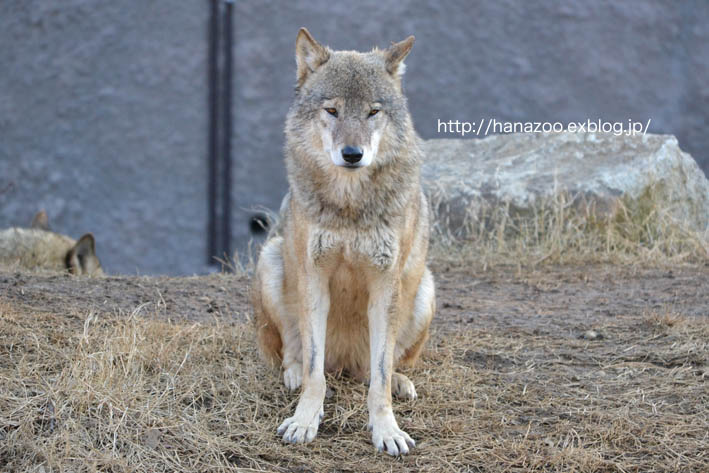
(381,313)
(302,427)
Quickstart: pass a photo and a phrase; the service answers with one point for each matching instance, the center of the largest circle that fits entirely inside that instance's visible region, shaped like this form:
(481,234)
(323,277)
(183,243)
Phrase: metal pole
(213,144)
(226,131)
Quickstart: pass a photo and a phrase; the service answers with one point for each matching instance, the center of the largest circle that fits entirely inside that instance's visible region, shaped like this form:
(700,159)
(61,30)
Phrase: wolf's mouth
(352,166)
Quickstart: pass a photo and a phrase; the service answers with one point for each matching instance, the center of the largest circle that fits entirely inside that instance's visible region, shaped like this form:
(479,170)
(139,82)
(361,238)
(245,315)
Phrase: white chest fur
(375,246)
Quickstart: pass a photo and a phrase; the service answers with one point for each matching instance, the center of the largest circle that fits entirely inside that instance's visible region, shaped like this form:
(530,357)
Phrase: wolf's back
(33,249)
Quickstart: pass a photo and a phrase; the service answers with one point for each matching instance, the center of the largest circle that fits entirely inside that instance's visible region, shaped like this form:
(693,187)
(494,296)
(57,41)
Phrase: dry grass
(566,230)
(88,393)
(562,229)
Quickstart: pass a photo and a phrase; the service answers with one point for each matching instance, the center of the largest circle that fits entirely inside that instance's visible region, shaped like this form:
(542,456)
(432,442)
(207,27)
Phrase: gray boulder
(467,179)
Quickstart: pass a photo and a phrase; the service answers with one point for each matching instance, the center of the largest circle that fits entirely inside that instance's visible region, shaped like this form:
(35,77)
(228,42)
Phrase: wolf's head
(349,108)
(54,250)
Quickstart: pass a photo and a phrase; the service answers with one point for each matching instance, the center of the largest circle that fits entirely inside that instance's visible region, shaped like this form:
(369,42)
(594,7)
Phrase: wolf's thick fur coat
(38,248)
(342,284)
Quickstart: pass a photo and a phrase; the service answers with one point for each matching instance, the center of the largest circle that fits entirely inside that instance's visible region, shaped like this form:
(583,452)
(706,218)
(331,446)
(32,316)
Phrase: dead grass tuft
(96,393)
(566,230)
(666,320)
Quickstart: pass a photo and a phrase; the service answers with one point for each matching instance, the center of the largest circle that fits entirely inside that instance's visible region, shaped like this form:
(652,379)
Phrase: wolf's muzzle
(352,154)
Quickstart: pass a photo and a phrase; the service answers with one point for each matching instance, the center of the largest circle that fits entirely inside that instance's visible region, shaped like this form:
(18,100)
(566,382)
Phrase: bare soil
(570,368)
(564,300)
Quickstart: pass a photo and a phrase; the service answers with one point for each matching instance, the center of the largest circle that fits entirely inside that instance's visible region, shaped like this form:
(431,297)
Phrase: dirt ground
(564,301)
(593,368)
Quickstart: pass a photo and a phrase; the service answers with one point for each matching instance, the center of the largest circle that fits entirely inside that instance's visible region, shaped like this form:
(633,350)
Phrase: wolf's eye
(373,112)
(331,111)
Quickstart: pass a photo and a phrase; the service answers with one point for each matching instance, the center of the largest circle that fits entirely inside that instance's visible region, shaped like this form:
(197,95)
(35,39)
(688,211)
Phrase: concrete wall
(103,117)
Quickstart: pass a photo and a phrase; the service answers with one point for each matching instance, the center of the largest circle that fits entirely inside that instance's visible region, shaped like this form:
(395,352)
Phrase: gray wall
(103,103)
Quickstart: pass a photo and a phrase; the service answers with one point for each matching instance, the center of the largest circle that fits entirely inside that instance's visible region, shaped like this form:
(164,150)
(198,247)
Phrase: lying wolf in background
(342,284)
(39,248)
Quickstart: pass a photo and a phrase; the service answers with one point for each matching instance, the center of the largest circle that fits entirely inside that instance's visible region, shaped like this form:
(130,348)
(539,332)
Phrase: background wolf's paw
(402,387)
(293,376)
(300,428)
(387,436)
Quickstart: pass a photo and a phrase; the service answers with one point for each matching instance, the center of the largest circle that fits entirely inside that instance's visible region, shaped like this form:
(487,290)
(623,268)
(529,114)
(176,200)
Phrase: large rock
(470,178)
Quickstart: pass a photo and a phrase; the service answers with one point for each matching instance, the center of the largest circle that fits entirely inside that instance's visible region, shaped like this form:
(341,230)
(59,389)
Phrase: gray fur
(37,248)
(348,267)
(393,178)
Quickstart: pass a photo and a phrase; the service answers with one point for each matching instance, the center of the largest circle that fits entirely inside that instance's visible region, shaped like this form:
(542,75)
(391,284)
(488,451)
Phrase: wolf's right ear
(82,259)
(309,55)
(395,55)
(40,221)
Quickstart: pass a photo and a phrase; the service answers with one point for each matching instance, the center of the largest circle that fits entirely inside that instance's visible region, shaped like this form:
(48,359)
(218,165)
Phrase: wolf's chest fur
(377,246)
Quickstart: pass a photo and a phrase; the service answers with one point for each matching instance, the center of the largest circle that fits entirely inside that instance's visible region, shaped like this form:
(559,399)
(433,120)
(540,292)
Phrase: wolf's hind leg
(412,336)
(292,364)
(402,387)
(278,330)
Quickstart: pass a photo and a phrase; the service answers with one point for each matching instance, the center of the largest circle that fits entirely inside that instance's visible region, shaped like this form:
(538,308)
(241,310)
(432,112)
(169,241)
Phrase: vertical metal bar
(226,131)
(213,144)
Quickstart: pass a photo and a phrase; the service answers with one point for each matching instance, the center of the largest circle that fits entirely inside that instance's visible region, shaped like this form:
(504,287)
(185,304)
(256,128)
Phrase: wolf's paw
(387,436)
(402,387)
(302,427)
(293,376)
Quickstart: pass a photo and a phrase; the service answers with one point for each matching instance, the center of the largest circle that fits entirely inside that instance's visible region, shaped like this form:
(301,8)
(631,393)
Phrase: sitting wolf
(39,248)
(342,284)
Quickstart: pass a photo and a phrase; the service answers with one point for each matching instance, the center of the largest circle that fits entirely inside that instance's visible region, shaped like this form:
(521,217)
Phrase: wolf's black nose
(352,154)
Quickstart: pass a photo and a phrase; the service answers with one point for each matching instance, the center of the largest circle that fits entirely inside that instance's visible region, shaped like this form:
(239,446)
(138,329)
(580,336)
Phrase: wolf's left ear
(309,55)
(395,55)
(41,221)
